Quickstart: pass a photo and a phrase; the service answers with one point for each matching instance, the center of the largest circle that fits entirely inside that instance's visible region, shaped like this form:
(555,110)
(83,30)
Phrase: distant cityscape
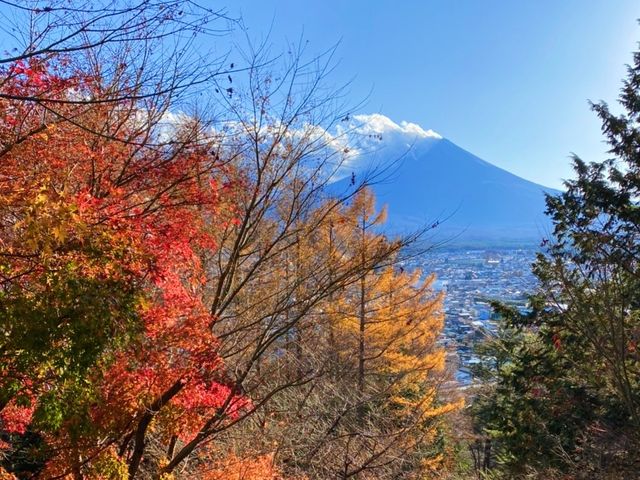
(471,279)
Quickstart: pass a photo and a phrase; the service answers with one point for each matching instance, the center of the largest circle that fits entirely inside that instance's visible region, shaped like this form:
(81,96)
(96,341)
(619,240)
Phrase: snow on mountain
(424,178)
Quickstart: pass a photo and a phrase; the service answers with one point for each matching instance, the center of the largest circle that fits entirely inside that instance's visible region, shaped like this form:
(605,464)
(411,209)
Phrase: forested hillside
(561,393)
(182,297)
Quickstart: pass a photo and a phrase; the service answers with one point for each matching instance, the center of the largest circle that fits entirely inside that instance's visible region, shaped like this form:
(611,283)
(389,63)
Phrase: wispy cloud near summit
(376,123)
(375,138)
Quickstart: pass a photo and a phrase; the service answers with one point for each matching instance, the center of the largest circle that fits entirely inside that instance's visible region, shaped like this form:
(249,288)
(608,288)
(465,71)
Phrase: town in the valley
(471,280)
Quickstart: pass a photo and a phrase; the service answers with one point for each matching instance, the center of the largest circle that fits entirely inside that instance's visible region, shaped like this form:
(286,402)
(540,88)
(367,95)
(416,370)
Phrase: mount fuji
(425,179)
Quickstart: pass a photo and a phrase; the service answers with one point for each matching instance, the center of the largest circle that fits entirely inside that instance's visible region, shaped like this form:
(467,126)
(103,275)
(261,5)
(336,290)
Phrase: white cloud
(357,143)
(375,138)
(414,128)
(377,123)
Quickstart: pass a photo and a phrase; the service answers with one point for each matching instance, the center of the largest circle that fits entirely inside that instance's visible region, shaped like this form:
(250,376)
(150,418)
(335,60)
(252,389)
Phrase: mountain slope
(475,201)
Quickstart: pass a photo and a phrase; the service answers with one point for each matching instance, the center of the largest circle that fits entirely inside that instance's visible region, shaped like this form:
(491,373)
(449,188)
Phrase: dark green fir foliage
(562,383)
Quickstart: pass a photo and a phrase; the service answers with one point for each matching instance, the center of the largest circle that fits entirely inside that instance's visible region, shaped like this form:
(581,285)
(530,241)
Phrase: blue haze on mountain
(424,178)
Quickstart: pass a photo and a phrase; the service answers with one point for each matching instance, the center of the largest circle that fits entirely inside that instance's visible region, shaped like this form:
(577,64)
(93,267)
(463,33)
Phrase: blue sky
(507,80)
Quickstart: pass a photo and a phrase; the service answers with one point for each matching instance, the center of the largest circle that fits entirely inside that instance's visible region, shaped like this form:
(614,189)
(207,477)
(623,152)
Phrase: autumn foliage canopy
(172,292)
